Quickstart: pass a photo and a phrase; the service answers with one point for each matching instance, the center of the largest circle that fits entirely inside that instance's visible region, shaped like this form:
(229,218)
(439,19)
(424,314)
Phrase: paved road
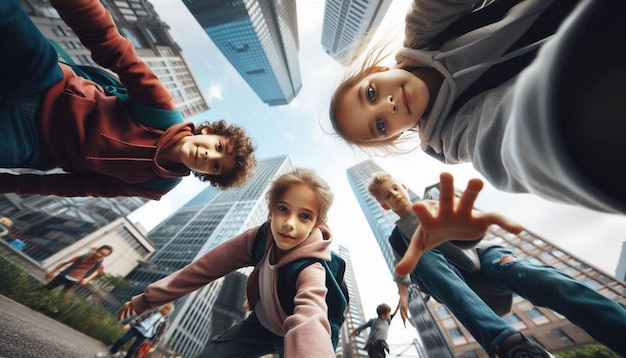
(25,333)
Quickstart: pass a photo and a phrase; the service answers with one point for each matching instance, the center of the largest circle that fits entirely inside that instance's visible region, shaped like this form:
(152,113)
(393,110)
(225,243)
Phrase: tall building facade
(260,39)
(346,23)
(550,329)
(138,21)
(351,346)
(382,223)
(204,222)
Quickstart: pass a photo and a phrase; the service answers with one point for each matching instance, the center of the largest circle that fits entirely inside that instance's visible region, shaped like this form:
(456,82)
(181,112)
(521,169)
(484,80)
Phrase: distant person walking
(82,270)
(379,329)
(5,226)
(150,325)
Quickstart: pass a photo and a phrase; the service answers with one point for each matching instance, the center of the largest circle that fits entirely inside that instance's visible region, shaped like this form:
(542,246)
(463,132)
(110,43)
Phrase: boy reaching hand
(477,287)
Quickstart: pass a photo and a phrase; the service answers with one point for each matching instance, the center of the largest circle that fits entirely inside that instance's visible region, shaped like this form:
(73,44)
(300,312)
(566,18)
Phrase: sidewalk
(25,333)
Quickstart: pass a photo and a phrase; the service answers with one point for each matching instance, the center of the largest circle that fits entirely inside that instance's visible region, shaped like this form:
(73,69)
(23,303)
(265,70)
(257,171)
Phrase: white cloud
(215,91)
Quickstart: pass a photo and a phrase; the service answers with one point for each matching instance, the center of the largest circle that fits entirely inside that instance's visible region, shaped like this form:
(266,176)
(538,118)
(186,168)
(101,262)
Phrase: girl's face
(294,217)
(382,106)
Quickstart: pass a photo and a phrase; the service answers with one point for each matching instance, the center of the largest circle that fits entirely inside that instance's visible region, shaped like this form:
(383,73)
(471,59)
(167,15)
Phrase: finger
(424,211)
(468,198)
(446,192)
(503,222)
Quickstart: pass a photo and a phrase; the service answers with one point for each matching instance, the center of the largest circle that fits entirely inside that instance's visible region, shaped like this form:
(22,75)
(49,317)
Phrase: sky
(302,129)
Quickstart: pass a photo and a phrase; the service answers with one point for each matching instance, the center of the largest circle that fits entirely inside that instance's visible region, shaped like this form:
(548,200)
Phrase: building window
(536,315)
(560,334)
(442,312)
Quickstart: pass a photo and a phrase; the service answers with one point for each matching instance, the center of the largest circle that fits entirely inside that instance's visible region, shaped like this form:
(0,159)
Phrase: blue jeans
(130,334)
(28,67)
(247,339)
(543,285)
(447,285)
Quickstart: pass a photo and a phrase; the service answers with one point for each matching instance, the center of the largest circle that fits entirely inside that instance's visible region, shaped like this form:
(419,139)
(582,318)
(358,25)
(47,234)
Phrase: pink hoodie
(307,329)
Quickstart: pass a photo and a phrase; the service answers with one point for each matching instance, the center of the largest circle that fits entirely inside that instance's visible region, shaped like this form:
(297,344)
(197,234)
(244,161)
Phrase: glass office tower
(260,39)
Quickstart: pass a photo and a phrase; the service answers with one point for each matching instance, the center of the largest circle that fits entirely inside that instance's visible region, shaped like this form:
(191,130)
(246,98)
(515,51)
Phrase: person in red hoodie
(52,118)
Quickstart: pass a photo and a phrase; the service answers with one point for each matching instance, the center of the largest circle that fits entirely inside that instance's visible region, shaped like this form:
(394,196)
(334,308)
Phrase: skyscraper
(382,223)
(539,324)
(260,39)
(351,347)
(347,22)
(205,221)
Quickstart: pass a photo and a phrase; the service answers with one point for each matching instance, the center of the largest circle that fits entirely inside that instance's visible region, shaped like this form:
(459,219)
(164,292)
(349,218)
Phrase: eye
(282,209)
(306,216)
(380,125)
(370,93)
(387,196)
(219,147)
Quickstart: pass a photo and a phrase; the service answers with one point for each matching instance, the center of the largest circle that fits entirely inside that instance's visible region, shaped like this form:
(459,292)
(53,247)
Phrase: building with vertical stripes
(347,22)
(260,39)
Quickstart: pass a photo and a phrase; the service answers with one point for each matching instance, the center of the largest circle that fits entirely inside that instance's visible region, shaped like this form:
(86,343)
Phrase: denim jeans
(543,285)
(28,67)
(247,339)
(447,285)
(130,334)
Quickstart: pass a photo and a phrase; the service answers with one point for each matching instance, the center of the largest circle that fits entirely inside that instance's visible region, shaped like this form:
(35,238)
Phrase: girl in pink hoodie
(298,205)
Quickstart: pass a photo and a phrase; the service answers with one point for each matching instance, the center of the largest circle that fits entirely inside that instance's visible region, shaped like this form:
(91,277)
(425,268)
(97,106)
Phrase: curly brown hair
(243,149)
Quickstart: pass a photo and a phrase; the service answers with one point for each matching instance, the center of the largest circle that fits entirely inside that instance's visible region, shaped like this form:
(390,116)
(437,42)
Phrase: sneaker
(104,354)
(518,346)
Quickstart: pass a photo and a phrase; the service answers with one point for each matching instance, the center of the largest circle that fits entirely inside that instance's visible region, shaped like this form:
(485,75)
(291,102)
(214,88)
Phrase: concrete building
(260,39)
(204,222)
(346,23)
(542,325)
(47,225)
(131,247)
(138,21)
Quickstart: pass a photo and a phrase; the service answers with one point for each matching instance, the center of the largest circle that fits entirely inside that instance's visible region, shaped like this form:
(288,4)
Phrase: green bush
(589,351)
(93,321)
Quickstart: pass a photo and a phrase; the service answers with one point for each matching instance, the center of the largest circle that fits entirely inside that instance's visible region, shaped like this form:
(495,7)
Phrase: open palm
(449,219)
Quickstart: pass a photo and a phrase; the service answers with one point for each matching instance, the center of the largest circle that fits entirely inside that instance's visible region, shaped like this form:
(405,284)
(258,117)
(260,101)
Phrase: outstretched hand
(451,219)
(125,312)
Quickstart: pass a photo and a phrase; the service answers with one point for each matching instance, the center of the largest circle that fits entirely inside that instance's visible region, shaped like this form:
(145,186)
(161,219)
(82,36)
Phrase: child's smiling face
(294,217)
(381,106)
(208,154)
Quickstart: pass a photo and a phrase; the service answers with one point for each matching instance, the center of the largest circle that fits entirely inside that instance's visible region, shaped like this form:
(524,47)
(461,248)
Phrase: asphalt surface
(25,333)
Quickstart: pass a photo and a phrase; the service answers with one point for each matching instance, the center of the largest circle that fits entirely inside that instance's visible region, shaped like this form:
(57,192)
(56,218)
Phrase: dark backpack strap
(258,246)
(336,297)
(397,242)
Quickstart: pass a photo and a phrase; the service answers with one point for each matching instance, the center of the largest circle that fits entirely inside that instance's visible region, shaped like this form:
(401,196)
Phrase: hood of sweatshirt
(463,59)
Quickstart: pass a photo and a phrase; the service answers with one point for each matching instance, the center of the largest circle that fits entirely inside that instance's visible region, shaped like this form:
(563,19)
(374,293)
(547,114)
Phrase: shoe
(104,354)
(518,346)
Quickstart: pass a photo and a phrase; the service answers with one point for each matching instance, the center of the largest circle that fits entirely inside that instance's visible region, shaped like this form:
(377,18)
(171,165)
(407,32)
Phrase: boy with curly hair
(52,118)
